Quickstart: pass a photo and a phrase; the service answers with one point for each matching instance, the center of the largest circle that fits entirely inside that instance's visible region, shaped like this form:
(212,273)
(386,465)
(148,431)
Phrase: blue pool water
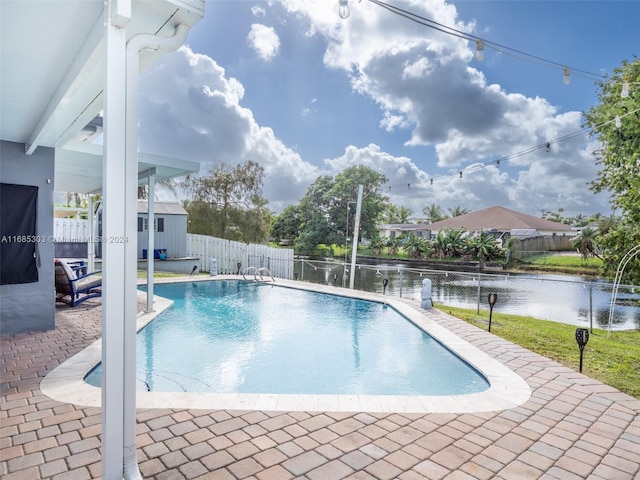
(246,337)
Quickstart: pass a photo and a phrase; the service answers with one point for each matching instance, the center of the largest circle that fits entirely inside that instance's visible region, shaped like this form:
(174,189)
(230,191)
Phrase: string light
(618,122)
(479,49)
(546,145)
(503,49)
(343,9)
(566,75)
(625,90)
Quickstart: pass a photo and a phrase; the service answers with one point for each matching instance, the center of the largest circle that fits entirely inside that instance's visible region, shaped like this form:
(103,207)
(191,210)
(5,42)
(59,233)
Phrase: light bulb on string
(618,122)
(479,50)
(566,76)
(625,90)
(343,9)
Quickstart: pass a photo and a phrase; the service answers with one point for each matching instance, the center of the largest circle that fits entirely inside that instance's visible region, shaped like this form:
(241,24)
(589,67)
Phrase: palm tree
(433,213)
(585,242)
(458,211)
(416,246)
(392,244)
(450,242)
(404,214)
(483,246)
(394,214)
(605,224)
(455,241)
(377,244)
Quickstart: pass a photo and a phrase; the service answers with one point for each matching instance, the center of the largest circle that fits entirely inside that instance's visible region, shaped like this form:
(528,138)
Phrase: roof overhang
(79,168)
(52,68)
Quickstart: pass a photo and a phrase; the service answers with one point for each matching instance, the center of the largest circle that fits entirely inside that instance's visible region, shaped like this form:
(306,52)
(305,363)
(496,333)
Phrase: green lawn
(614,360)
(563,261)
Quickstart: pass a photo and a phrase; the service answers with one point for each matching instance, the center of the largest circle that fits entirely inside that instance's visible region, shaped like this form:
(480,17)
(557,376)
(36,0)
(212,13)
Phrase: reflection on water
(561,298)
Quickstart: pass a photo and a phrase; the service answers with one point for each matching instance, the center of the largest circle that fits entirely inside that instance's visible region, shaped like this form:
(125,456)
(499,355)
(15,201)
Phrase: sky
(292,86)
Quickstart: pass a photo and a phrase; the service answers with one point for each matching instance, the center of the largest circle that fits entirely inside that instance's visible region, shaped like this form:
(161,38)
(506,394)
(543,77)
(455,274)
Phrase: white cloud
(190,110)
(264,40)
(425,84)
(257,11)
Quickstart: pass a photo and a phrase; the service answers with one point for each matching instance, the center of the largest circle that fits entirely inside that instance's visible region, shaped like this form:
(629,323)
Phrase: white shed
(170,226)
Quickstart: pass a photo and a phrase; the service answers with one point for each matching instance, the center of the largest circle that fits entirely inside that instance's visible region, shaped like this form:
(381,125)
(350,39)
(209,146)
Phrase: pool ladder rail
(258,274)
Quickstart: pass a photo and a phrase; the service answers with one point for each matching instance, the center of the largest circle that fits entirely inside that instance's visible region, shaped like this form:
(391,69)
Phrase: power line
(516,53)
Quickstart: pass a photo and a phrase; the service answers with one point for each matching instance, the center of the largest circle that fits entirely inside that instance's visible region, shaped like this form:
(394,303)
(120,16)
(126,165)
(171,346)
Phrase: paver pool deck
(572,427)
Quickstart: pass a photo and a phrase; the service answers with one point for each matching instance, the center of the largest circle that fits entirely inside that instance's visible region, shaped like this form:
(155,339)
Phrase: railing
(566,299)
(257,272)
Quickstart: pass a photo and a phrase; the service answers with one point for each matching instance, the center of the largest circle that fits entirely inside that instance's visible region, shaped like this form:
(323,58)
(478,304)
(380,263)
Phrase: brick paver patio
(573,427)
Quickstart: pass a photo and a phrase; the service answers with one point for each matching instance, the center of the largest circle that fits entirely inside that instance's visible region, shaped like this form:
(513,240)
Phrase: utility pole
(356,234)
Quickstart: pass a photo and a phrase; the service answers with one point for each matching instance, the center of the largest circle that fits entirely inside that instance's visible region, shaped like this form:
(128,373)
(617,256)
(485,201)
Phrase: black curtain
(18,239)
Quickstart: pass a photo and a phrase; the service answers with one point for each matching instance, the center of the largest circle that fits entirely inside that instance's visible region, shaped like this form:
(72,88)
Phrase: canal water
(562,298)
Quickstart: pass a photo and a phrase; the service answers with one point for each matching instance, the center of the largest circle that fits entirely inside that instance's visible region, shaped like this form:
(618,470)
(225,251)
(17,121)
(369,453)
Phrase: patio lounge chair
(74,289)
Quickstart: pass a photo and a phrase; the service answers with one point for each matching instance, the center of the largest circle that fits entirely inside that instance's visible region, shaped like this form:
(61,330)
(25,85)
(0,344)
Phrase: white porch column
(119,272)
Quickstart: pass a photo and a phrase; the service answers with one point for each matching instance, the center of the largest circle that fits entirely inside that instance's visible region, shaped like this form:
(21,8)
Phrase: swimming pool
(66,383)
(234,336)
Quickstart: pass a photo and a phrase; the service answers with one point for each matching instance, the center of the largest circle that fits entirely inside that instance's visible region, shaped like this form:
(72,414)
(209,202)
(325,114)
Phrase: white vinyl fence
(233,257)
(71,230)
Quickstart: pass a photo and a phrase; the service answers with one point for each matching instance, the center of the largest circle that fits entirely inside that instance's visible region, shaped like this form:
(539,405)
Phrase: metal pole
(356,233)
(151,217)
(478,308)
(91,246)
(591,306)
(346,249)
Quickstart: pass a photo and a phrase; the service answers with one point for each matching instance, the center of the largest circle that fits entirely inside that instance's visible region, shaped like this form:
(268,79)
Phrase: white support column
(151,231)
(120,185)
(356,235)
(116,311)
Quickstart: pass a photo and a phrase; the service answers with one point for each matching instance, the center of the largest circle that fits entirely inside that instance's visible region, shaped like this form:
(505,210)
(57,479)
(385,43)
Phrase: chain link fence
(560,298)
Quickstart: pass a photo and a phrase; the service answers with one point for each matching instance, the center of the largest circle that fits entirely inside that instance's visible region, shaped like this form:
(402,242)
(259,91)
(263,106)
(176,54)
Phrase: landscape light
(492,298)
(343,9)
(582,337)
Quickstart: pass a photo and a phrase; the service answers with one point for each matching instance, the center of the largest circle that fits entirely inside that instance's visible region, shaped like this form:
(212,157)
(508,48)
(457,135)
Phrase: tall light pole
(356,232)
(346,247)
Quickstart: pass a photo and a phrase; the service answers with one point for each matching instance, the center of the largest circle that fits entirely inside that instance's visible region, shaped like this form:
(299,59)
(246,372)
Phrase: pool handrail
(257,272)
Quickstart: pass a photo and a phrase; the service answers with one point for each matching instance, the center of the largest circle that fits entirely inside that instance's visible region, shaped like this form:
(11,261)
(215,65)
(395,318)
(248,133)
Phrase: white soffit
(79,168)
(52,62)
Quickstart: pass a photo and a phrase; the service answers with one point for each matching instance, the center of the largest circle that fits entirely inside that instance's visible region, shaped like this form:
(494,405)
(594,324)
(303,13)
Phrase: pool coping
(507,389)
